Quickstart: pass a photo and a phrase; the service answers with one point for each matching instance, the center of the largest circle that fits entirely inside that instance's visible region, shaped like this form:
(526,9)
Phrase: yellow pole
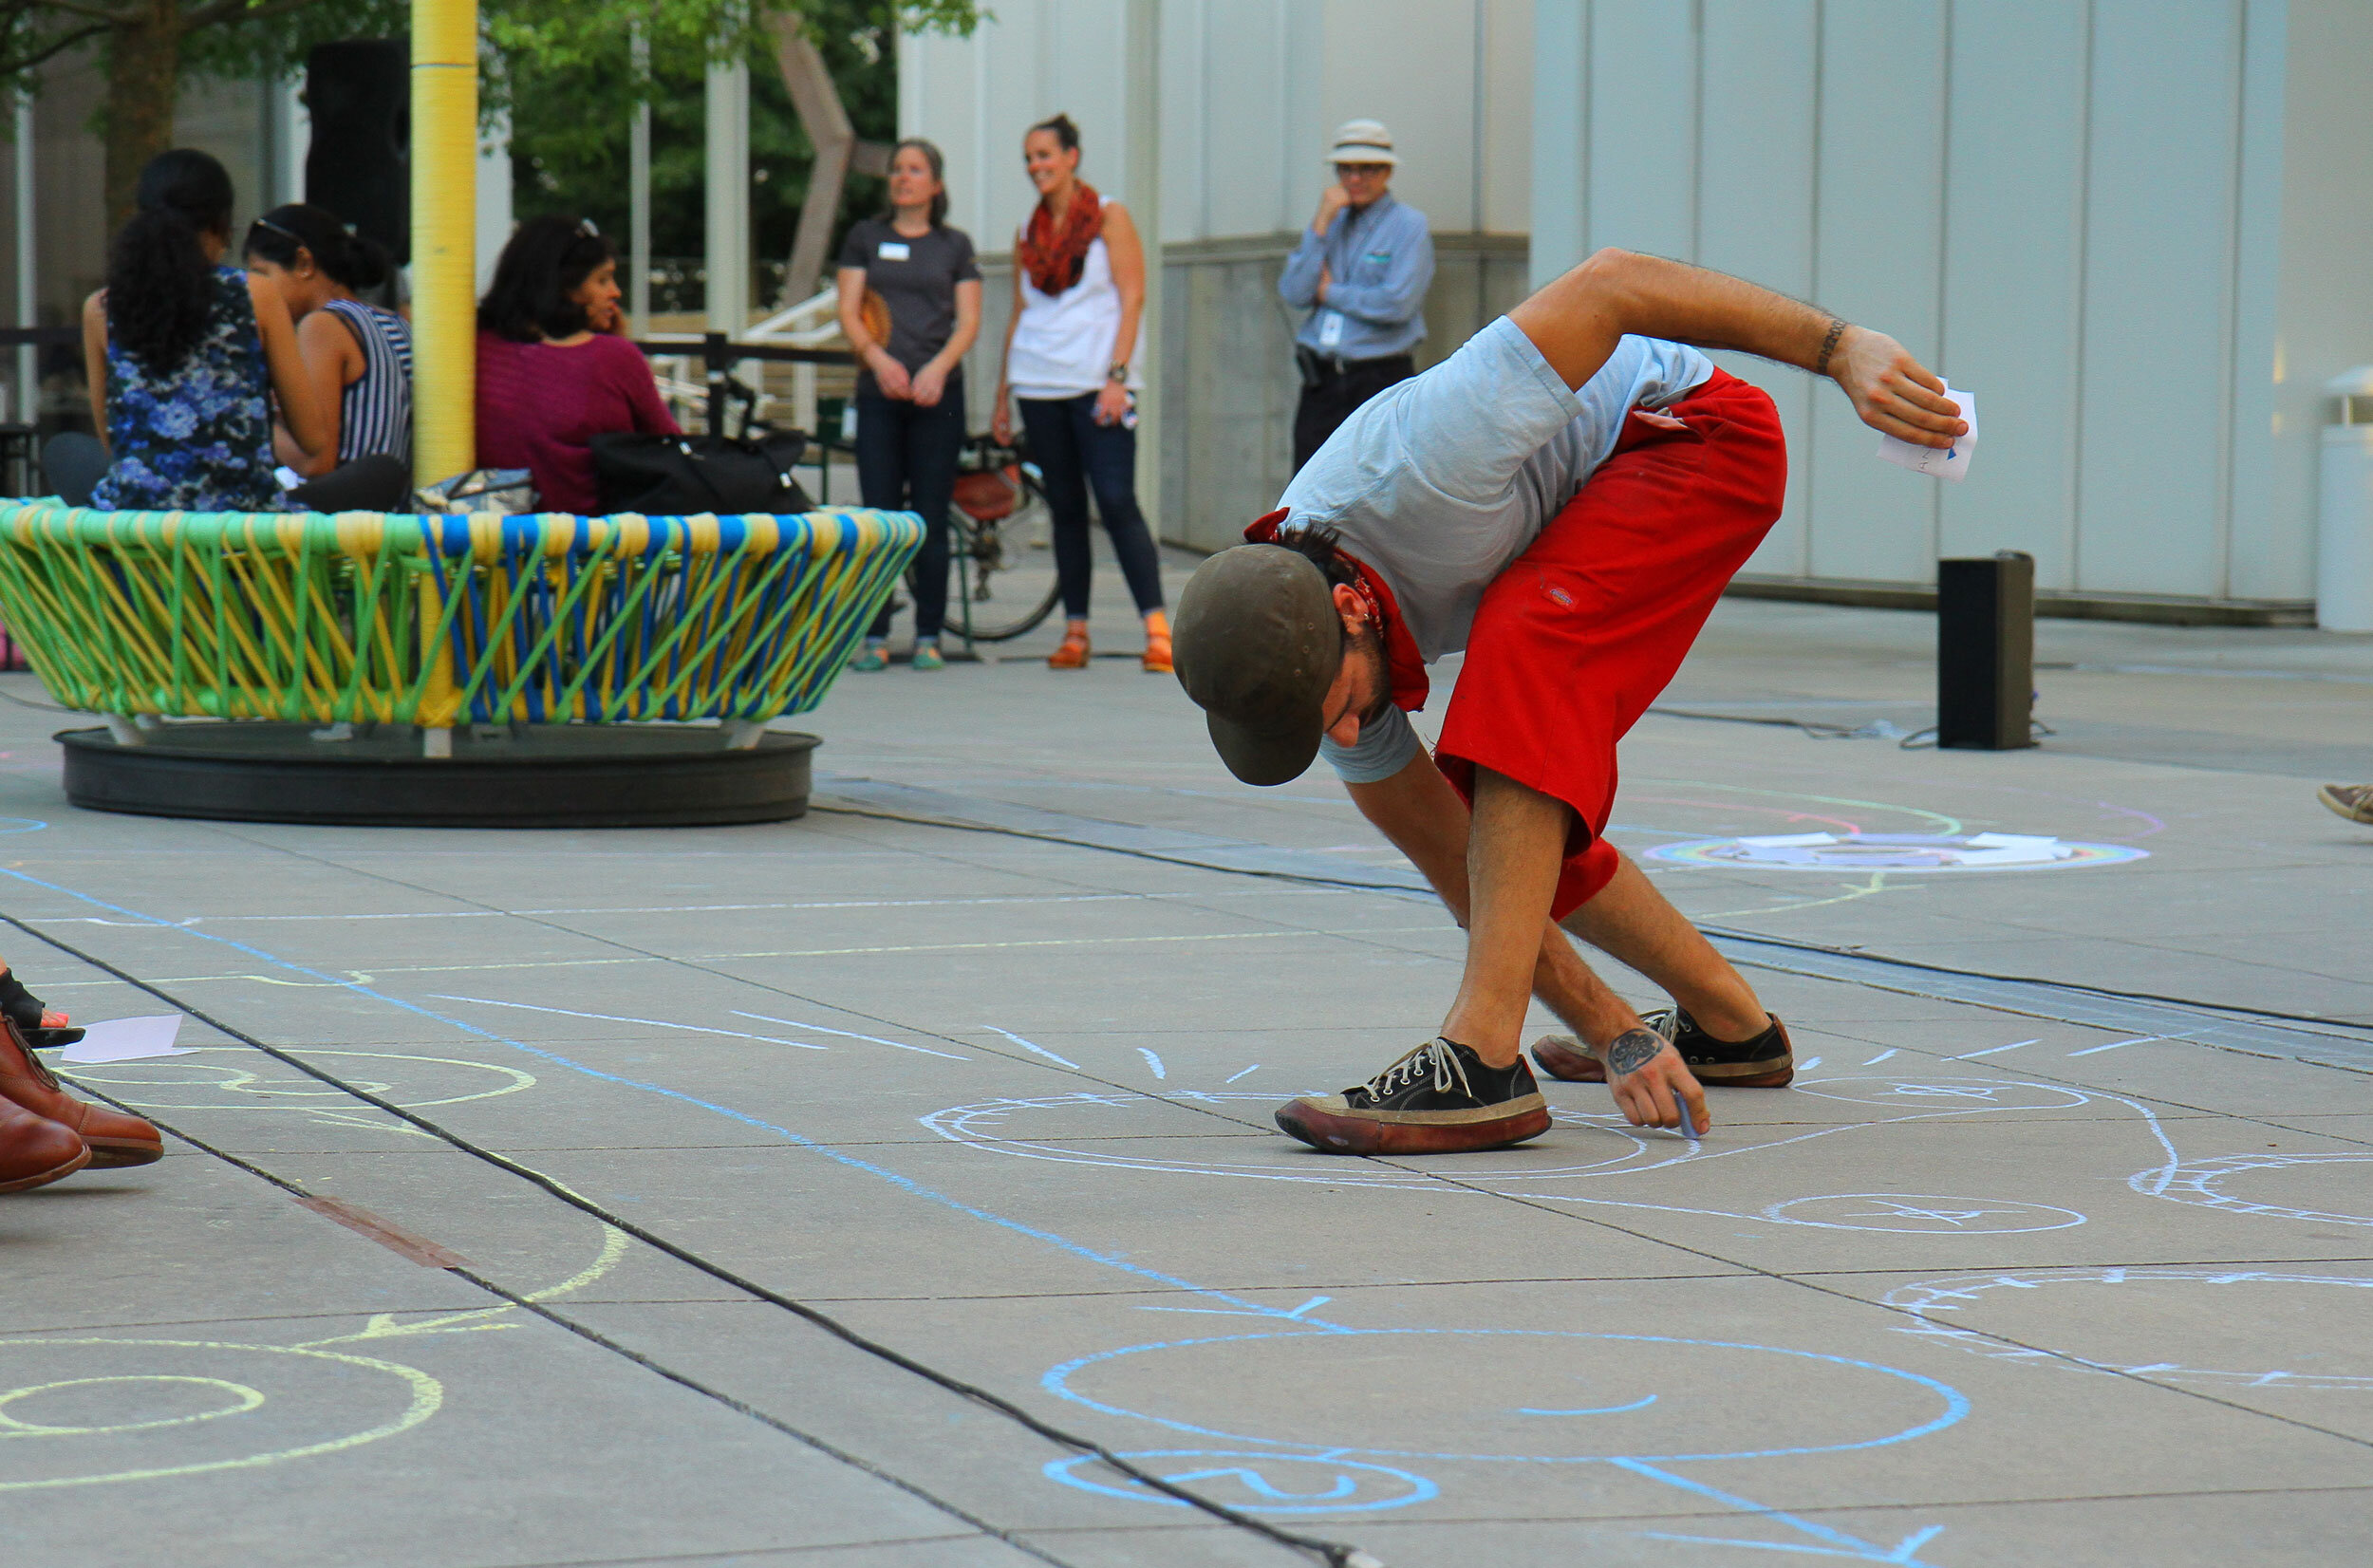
(444,239)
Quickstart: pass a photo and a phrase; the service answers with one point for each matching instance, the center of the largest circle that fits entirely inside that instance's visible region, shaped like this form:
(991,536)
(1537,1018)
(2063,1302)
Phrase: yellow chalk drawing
(427,1397)
(1877,884)
(178,1084)
(383,1325)
(243,1400)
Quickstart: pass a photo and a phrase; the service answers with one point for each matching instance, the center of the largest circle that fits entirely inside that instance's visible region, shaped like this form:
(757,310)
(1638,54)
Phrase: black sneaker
(1439,1099)
(1764,1062)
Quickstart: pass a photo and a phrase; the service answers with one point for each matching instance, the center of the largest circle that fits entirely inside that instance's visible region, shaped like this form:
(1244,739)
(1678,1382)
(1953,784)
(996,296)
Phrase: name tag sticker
(894,249)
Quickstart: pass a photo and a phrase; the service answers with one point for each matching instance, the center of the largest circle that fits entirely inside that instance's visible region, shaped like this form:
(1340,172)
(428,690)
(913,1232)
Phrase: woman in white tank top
(1070,348)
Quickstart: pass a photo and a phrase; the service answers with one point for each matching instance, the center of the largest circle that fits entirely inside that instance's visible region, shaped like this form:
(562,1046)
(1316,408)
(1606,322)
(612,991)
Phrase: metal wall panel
(1755,194)
(1560,120)
(2013,254)
(1641,147)
(1878,244)
(2155,405)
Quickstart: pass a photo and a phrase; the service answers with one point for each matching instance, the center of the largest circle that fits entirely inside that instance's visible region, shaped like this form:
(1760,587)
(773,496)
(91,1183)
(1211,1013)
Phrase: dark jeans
(907,462)
(1332,399)
(1076,455)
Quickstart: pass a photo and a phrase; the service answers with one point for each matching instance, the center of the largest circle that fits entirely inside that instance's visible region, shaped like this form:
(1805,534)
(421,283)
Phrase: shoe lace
(1435,1057)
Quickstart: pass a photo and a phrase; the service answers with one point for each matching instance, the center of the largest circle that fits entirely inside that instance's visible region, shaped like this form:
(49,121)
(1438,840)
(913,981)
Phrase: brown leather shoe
(35,1150)
(115,1139)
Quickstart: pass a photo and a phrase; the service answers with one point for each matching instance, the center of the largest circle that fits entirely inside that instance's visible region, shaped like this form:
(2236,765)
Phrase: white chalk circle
(2203,1327)
(1922,1214)
(1916,852)
(1524,1395)
(1944,1094)
(1112,1130)
(87,1411)
(2252,1184)
(1253,1482)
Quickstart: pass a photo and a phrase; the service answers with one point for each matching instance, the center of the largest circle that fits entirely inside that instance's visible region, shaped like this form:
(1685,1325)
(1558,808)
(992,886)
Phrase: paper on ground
(129,1039)
(1950,462)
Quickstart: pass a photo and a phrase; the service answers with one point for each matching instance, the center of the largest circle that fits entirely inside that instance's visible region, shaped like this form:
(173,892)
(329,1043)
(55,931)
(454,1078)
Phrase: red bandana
(1404,666)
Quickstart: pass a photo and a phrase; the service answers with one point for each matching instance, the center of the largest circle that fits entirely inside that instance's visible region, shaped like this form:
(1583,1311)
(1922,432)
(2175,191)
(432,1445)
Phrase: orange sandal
(1072,655)
(1157,656)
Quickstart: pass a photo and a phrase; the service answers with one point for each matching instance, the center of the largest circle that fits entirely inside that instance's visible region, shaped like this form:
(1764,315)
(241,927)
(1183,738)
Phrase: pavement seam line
(460,1266)
(1336,1554)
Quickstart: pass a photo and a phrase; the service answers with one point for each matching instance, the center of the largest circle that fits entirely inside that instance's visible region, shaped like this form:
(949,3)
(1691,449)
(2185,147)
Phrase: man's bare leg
(1514,851)
(1635,925)
(1425,818)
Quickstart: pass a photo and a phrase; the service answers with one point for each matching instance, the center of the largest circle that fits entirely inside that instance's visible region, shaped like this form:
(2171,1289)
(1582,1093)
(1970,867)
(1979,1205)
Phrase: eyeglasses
(284,234)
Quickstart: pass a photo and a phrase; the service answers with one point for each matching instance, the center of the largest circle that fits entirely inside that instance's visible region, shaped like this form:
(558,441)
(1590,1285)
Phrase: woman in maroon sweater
(552,373)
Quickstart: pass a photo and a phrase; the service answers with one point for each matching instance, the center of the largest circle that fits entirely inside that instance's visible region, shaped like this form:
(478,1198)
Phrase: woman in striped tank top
(359,356)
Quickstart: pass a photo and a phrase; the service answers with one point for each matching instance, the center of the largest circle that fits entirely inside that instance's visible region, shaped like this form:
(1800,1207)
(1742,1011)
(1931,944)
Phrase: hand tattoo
(1632,1049)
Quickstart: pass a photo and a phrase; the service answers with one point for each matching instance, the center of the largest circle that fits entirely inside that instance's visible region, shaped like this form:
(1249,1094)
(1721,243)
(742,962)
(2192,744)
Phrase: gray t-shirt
(916,276)
(1442,482)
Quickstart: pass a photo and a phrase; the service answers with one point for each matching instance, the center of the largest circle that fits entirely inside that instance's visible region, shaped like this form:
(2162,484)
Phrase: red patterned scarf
(1056,258)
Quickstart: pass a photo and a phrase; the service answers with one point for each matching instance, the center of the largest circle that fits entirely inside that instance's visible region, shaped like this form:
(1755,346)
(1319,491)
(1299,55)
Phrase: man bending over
(1563,499)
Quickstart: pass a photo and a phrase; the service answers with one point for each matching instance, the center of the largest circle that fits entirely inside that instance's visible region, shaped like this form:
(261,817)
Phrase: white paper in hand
(128,1040)
(1950,462)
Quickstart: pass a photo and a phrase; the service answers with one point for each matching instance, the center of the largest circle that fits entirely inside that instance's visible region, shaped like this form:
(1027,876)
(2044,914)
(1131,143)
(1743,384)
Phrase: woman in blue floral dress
(186,356)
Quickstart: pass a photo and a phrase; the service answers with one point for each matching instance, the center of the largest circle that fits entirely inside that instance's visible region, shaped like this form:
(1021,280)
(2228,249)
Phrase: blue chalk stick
(1683,1106)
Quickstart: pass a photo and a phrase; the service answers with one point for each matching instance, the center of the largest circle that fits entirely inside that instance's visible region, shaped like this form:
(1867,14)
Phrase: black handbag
(682,476)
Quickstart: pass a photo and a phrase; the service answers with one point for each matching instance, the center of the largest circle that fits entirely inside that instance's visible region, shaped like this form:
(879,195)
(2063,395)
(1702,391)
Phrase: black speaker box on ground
(360,96)
(1986,652)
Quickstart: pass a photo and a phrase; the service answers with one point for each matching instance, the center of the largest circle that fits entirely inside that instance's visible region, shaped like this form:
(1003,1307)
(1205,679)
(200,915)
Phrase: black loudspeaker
(360,95)
(1986,652)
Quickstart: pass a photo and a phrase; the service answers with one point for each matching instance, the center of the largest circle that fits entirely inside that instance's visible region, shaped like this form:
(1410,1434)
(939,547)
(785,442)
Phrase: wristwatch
(1116,371)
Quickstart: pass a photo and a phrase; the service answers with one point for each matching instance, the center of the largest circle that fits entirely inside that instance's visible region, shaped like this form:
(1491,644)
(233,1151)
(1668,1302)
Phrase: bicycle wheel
(1009,584)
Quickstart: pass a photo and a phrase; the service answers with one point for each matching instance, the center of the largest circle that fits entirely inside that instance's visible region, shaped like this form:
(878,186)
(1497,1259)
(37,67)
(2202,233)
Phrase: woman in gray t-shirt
(910,305)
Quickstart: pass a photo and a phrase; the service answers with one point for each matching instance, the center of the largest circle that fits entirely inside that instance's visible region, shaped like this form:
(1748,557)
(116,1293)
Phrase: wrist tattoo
(1632,1049)
(1830,345)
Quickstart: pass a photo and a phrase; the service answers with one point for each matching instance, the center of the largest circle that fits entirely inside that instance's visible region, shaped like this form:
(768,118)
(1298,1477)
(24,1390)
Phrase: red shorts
(1586,628)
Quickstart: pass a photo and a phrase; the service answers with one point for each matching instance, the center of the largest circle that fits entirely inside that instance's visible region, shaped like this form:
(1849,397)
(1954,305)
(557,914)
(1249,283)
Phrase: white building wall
(2137,229)
(1250,91)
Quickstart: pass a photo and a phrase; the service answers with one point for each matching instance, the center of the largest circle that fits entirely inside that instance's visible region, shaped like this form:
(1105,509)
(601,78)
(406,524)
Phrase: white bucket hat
(1363,141)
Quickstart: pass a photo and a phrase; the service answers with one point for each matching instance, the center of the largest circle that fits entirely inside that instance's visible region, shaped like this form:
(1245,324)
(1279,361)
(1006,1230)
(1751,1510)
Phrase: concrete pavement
(2059,1249)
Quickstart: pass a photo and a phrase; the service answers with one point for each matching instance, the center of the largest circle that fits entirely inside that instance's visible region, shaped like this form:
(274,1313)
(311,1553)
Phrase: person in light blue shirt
(1361,270)
(1562,502)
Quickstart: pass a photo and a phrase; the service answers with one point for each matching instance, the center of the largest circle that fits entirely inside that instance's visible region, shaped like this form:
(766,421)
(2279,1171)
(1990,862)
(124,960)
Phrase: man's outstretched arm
(1577,321)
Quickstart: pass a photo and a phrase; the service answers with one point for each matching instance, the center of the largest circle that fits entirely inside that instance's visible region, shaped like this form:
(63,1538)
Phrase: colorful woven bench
(353,645)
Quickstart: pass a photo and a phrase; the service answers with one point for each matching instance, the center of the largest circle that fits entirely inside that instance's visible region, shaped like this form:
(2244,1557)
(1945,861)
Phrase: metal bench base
(528,776)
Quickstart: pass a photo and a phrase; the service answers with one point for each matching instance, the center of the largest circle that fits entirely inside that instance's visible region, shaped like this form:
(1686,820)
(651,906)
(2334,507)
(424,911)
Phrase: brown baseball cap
(1257,642)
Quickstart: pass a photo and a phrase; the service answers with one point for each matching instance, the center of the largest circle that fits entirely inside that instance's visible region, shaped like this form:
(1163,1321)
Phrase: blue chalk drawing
(1942,1406)
(1601,1410)
(1951,1406)
(1333,1484)
(2201,1182)
(1926,1299)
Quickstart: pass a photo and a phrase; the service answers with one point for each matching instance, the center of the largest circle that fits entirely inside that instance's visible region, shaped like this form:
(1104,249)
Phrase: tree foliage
(149,47)
(569,161)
